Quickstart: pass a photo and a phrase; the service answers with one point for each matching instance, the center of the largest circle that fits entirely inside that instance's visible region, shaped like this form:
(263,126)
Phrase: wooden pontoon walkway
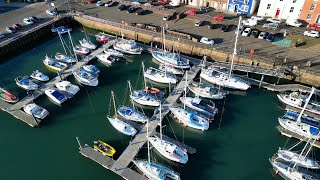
(140,139)
(15,109)
(297,136)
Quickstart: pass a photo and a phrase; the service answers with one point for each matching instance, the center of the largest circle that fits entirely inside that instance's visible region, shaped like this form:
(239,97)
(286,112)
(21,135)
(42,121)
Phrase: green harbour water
(235,148)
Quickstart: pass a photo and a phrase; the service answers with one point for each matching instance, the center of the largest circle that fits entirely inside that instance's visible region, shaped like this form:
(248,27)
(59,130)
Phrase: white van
(250,22)
(293,22)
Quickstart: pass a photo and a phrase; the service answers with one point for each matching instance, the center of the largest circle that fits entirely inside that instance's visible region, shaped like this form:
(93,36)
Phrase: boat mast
(64,48)
(148,141)
(160,123)
(164,40)
(235,47)
(144,78)
(129,84)
(71,41)
(114,104)
(185,91)
(305,105)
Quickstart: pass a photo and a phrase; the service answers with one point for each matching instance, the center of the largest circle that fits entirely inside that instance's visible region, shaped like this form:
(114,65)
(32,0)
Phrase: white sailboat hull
(296,158)
(127,51)
(205,94)
(185,117)
(122,126)
(181,64)
(156,171)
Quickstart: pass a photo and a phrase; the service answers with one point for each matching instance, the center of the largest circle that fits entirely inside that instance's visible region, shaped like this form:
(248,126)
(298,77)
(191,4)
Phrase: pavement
(223,40)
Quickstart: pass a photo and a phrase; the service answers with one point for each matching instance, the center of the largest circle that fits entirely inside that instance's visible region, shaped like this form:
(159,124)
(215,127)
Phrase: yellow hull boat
(104,148)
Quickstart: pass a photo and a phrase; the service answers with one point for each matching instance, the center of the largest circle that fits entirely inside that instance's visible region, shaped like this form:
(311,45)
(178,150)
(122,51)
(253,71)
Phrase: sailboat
(158,76)
(201,106)
(299,127)
(154,170)
(63,57)
(222,77)
(168,149)
(114,52)
(172,70)
(170,59)
(297,100)
(132,114)
(187,117)
(143,98)
(87,44)
(205,91)
(120,125)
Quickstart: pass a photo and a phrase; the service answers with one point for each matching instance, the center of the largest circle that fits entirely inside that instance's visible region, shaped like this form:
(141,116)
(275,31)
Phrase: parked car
(147,5)
(198,23)
(109,3)
(293,22)
(255,33)
(273,20)
(34,19)
(100,3)
(210,26)
(135,3)
(263,35)
(218,17)
(166,17)
(92,1)
(130,9)
(258,18)
(314,26)
(161,2)
(250,22)
(139,11)
(206,40)
(174,3)
(203,9)
(241,28)
(314,34)
(1,35)
(191,12)
(122,7)
(51,12)
(224,28)
(17,26)
(270,37)
(246,32)
(273,26)
(28,21)
(11,29)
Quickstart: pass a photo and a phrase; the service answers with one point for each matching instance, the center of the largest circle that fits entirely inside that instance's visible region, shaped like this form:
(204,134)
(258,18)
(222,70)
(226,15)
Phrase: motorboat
(102,38)
(122,126)
(297,100)
(39,76)
(104,148)
(54,65)
(190,119)
(8,96)
(129,113)
(171,59)
(66,86)
(114,53)
(169,150)
(210,92)
(81,50)
(55,96)
(222,78)
(26,83)
(289,171)
(61,30)
(172,70)
(107,58)
(151,90)
(156,171)
(91,69)
(87,44)
(35,110)
(64,58)
(199,105)
(159,76)
(127,46)
(143,98)
(301,160)
(85,77)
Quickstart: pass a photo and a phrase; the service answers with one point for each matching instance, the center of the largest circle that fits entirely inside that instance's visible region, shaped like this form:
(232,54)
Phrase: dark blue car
(270,37)
(122,7)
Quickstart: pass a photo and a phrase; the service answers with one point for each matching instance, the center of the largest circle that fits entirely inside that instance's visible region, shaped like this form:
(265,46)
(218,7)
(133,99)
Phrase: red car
(315,26)
(162,2)
(191,12)
(218,17)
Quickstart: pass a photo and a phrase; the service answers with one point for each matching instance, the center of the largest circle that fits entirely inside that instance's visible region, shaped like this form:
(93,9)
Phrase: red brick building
(310,11)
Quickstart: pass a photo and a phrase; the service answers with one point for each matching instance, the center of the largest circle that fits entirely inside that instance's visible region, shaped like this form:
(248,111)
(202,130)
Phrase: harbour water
(236,147)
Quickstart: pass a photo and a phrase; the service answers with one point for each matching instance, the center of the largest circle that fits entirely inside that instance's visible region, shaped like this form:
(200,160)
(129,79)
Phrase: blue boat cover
(58,95)
(25,81)
(129,112)
(314,131)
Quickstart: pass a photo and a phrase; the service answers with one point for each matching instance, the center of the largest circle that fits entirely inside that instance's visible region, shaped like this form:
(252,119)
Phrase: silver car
(262,35)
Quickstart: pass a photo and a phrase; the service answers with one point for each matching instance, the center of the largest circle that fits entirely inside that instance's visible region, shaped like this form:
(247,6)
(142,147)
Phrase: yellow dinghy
(104,148)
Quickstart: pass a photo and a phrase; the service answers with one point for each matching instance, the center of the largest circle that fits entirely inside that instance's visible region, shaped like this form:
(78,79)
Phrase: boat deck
(297,136)
(307,113)
(15,109)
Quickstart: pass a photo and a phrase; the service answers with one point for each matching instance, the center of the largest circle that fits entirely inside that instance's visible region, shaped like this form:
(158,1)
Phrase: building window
(294,1)
(244,8)
(309,16)
(234,1)
(291,9)
(268,6)
(313,6)
(246,1)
